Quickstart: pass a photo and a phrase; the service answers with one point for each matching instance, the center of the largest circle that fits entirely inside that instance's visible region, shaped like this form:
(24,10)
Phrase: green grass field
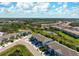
(18,50)
(69,38)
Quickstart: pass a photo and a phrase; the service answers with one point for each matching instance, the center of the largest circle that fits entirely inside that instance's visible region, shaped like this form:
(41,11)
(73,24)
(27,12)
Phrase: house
(2,33)
(3,40)
(24,33)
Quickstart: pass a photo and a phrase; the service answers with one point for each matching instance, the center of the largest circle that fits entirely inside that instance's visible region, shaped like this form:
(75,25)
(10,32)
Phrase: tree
(77,49)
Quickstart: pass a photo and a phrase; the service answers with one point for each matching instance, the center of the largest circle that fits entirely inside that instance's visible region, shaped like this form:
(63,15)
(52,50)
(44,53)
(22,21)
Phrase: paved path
(30,47)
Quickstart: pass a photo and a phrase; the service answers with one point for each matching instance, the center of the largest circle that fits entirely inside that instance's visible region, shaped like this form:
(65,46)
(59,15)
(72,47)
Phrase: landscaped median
(17,50)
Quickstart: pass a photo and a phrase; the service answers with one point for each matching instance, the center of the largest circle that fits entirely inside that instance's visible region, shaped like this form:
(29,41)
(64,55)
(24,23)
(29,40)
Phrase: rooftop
(42,38)
(62,49)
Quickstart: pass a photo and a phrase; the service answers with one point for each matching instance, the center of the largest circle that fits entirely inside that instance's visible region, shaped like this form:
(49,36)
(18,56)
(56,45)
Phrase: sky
(39,9)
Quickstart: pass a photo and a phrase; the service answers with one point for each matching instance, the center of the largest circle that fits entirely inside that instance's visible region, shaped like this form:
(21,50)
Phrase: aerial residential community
(58,38)
(39,29)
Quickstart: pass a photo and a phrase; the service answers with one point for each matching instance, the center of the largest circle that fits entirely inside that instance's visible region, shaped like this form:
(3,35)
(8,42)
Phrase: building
(68,30)
(2,33)
(62,50)
(10,37)
(54,48)
(3,40)
(43,39)
(39,40)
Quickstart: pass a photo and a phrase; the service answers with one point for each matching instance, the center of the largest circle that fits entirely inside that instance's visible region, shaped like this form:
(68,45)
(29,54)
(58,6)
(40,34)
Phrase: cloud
(23,5)
(43,6)
(32,6)
(39,9)
(64,11)
(5,3)
(53,6)
(6,10)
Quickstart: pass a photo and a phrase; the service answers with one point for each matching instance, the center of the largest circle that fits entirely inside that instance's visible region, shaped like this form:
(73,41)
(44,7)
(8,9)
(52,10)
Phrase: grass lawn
(18,50)
(67,37)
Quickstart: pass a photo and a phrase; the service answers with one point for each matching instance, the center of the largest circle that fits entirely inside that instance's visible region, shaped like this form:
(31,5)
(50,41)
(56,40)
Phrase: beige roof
(71,30)
(63,49)
(42,38)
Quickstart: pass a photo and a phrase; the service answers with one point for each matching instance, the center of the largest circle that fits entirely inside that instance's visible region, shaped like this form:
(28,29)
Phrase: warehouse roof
(62,49)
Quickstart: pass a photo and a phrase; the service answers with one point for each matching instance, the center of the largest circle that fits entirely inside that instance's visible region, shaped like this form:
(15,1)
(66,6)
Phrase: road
(30,47)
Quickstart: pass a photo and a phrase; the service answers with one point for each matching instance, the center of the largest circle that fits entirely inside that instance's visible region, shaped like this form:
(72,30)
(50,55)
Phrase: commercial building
(63,50)
(54,48)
